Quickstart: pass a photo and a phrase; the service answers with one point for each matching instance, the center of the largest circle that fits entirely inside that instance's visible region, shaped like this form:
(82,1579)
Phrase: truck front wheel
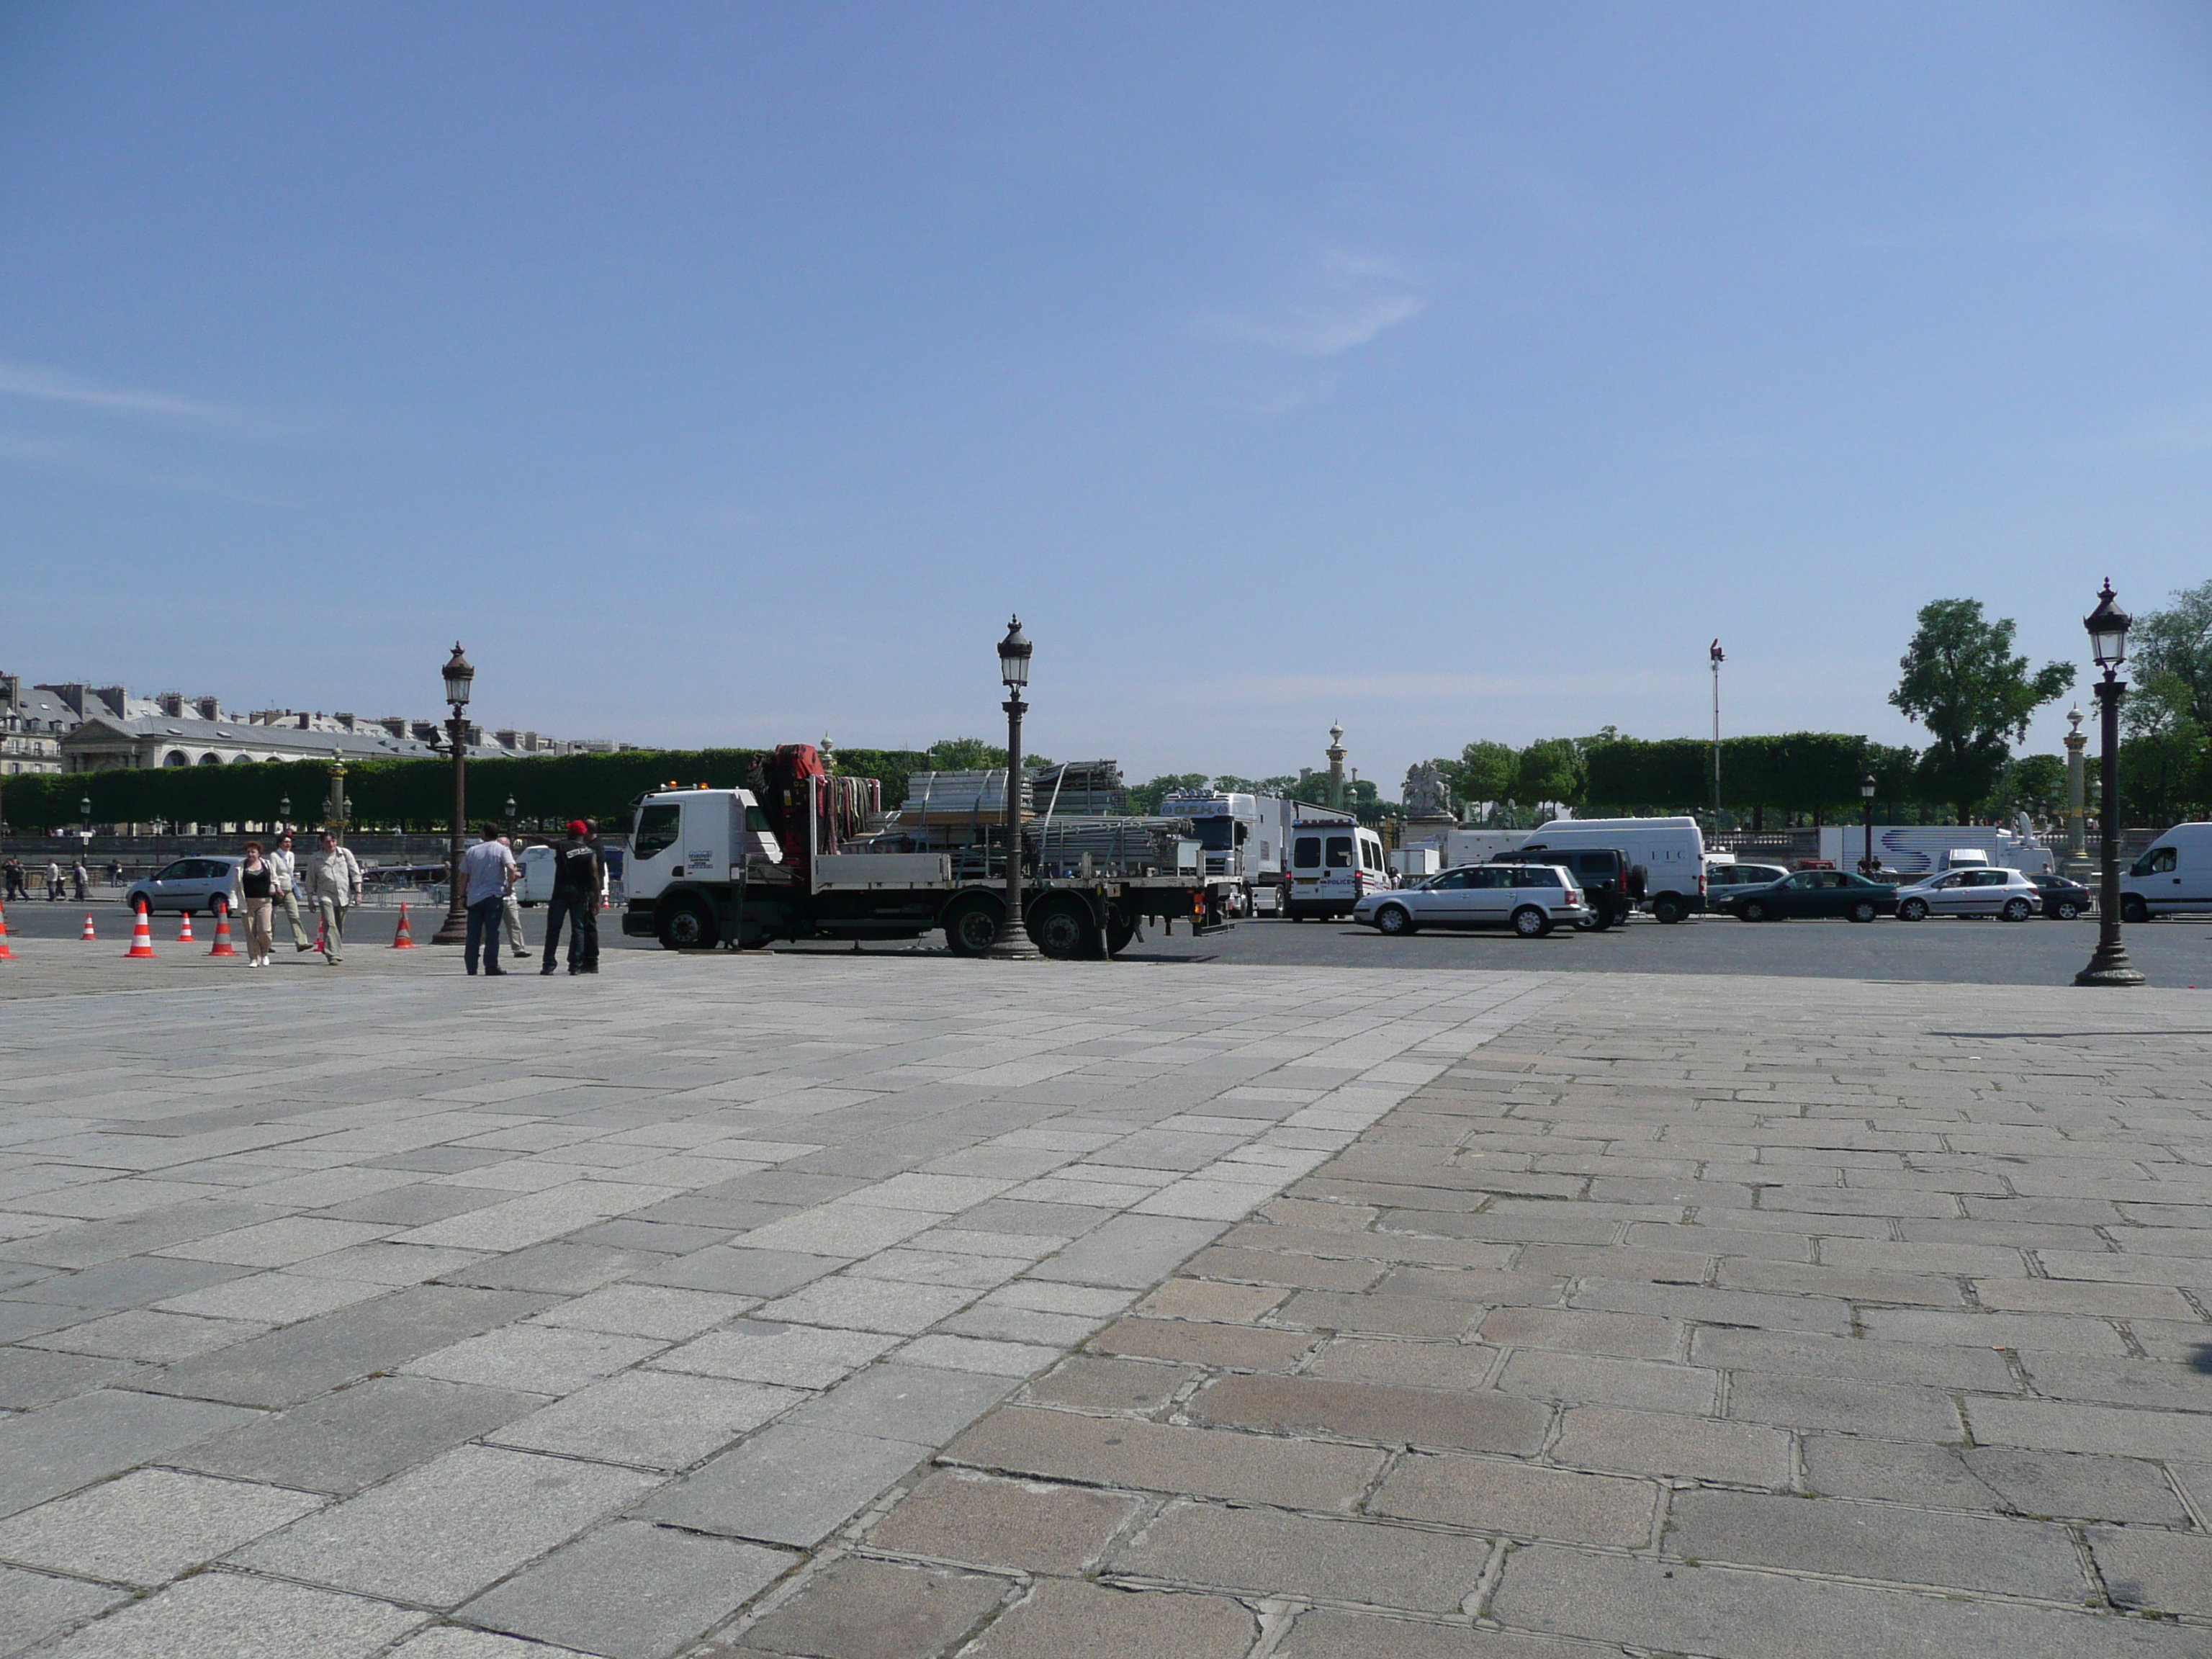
(687,923)
(971,926)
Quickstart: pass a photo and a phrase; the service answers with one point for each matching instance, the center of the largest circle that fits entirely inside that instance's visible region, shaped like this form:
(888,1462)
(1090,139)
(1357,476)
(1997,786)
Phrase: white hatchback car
(2005,893)
(1531,899)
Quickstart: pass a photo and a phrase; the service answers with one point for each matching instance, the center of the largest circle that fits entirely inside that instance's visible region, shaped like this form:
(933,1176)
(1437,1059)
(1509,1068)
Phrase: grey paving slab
(225,1614)
(35,1606)
(301,1361)
(786,1485)
(1129,1252)
(149,1526)
(490,1511)
(905,1402)
(45,1453)
(653,1419)
(356,1436)
(630,1590)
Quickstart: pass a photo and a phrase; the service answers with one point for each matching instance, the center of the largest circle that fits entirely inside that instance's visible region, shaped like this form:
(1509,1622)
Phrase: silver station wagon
(1531,899)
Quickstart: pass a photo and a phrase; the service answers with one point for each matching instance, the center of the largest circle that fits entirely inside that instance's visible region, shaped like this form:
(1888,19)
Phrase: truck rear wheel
(687,923)
(1063,930)
(1119,932)
(971,925)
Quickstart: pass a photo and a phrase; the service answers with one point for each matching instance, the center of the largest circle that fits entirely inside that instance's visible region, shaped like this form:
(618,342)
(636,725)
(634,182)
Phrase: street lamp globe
(458,676)
(284,809)
(2108,630)
(1866,787)
(1014,657)
(510,806)
(85,807)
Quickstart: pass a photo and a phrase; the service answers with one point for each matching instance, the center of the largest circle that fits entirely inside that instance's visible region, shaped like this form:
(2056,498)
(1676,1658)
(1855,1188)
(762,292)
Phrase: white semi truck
(740,868)
(1245,837)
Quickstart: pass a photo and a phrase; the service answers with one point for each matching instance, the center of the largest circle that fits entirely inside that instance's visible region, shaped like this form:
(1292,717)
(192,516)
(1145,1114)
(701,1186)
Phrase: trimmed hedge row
(1795,772)
(402,794)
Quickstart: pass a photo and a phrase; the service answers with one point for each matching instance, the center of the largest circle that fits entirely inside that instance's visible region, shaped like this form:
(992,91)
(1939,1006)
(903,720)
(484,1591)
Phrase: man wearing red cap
(577,896)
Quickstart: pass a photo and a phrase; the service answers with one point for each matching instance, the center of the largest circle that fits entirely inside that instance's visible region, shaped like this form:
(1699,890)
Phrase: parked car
(1609,883)
(2063,900)
(1726,883)
(2005,893)
(1817,893)
(1531,899)
(189,884)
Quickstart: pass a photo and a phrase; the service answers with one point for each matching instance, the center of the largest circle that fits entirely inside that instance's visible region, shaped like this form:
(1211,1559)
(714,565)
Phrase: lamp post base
(1014,945)
(455,931)
(2110,966)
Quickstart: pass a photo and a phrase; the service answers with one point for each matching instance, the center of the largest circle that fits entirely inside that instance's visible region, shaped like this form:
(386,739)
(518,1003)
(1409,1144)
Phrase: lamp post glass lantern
(461,678)
(2107,626)
(1014,670)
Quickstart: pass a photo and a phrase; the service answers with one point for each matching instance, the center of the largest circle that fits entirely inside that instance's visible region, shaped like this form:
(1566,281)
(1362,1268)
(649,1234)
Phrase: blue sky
(726,374)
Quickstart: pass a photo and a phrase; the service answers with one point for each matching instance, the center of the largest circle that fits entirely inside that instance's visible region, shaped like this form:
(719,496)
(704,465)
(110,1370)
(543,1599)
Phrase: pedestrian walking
(287,871)
(53,881)
(488,872)
(82,877)
(510,911)
(599,900)
(257,885)
(336,889)
(12,872)
(576,898)
(115,871)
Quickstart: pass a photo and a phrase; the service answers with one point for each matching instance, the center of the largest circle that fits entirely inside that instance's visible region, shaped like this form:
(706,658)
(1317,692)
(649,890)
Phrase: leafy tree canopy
(1962,680)
(2175,645)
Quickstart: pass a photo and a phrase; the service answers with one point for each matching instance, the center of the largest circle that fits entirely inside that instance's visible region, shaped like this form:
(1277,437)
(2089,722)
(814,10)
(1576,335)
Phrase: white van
(1334,864)
(2173,877)
(1672,852)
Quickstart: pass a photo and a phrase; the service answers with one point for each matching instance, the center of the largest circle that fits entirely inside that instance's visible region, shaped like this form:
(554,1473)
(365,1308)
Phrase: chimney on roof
(302,720)
(117,699)
(210,709)
(11,690)
(345,721)
(395,724)
(172,704)
(508,738)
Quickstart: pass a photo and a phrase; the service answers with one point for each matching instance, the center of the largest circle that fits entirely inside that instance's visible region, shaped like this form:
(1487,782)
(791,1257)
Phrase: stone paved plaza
(855,1308)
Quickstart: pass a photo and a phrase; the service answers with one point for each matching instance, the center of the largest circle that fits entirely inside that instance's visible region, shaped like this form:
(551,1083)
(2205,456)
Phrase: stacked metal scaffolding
(1078,789)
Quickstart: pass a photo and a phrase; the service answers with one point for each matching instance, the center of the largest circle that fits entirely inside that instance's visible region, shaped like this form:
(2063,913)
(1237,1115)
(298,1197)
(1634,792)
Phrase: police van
(1334,863)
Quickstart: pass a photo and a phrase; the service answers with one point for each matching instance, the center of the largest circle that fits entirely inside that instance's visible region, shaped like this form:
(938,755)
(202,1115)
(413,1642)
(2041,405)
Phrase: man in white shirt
(488,871)
(287,873)
(337,889)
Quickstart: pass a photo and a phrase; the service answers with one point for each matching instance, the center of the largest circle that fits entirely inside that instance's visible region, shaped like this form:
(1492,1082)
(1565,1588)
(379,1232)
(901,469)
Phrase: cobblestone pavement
(1874,1326)
(358,1311)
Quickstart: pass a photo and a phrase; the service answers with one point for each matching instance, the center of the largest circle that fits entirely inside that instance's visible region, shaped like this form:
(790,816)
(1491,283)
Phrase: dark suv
(1610,884)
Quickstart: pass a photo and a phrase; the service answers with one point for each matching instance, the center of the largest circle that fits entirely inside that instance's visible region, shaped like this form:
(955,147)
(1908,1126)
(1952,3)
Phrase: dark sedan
(1821,893)
(2063,899)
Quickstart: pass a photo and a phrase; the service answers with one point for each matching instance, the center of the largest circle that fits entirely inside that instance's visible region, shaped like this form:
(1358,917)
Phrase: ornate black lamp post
(1865,794)
(1014,669)
(2108,643)
(458,679)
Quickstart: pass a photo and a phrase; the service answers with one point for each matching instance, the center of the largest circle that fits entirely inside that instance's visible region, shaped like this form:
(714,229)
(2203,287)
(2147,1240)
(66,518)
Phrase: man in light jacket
(337,889)
(288,883)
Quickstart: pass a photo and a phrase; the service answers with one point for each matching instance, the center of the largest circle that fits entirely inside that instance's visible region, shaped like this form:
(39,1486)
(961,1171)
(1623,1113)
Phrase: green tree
(1963,683)
(1484,772)
(2033,784)
(1144,798)
(1278,786)
(2175,645)
(1550,772)
(966,755)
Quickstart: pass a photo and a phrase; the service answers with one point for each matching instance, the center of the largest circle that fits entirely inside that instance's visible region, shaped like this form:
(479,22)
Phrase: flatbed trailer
(707,870)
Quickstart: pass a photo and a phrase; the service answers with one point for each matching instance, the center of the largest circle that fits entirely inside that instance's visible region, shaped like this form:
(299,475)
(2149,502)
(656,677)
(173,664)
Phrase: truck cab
(1242,838)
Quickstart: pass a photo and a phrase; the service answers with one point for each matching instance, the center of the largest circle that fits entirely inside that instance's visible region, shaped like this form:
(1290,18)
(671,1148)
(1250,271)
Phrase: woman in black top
(257,885)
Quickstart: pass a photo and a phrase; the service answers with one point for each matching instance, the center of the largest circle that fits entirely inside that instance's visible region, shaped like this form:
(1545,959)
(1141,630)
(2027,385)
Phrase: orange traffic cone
(87,932)
(142,936)
(222,933)
(185,931)
(405,939)
(6,954)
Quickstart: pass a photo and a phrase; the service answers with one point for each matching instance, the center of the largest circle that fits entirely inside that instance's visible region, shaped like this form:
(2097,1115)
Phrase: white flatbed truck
(710,868)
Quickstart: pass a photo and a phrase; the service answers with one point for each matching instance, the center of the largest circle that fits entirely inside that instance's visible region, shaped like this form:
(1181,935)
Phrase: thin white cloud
(1315,331)
(1350,299)
(55,386)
